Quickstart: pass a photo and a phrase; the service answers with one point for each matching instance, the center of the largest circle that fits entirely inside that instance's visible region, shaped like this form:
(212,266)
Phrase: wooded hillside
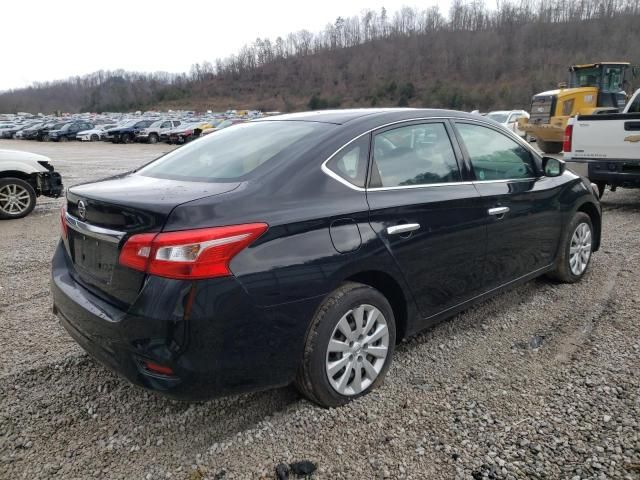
(471,57)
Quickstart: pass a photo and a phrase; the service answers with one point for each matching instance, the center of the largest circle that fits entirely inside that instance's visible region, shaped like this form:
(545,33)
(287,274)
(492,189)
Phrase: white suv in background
(152,133)
(509,118)
(94,134)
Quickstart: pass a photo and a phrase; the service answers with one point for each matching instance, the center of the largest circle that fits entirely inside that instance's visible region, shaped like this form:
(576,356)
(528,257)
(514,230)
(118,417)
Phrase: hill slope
(474,58)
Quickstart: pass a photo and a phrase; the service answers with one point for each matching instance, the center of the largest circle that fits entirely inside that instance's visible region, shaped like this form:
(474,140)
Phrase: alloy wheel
(14,199)
(357,350)
(580,249)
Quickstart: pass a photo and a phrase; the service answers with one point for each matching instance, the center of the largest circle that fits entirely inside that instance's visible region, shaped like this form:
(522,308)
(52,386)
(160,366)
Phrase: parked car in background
(187,132)
(41,132)
(509,118)
(229,122)
(68,131)
(215,123)
(153,132)
(95,134)
(126,133)
(23,177)
(303,248)
(6,128)
(27,130)
(10,131)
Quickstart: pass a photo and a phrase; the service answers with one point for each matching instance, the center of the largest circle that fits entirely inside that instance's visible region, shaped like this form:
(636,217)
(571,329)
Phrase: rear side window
(236,151)
(413,155)
(351,162)
(494,156)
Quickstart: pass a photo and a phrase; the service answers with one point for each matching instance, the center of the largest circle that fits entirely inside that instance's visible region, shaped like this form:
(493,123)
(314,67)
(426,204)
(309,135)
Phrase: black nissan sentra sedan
(303,247)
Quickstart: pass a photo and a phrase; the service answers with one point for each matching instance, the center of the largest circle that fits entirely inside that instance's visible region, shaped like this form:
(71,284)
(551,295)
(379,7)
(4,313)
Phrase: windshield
(586,77)
(613,79)
(143,123)
(234,153)
(498,117)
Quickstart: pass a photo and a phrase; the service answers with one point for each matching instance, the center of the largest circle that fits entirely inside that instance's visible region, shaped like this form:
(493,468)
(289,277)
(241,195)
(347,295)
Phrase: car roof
(504,111)
(348,115)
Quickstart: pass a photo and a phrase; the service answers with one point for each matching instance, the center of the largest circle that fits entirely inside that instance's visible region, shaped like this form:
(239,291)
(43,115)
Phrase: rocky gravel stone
(462,400)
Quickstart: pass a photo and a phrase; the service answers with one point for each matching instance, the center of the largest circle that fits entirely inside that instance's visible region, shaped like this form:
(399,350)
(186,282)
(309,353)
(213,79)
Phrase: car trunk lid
(102,215)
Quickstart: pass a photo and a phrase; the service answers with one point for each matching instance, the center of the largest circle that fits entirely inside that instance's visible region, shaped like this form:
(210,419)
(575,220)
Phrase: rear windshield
(234,152)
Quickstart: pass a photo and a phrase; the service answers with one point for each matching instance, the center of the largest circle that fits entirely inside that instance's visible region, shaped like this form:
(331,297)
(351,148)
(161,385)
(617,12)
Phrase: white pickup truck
(605,148)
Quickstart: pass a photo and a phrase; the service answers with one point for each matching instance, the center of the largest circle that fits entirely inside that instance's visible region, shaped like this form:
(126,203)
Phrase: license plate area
(93,258)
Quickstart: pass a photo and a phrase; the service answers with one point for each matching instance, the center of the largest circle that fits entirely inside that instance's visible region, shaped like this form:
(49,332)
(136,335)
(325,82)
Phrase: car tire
(125,138)
(575,250)
(364,314)
(63,139)
(153,138)
(95,137)
(24,191)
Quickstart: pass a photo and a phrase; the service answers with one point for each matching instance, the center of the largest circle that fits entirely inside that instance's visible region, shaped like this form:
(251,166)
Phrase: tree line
(471,57)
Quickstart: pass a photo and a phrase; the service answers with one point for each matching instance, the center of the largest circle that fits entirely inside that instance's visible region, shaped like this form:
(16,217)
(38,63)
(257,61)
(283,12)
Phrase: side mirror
(553,167)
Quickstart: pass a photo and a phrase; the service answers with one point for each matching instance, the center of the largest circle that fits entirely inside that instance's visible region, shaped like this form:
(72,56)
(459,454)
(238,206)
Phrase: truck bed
(606,148)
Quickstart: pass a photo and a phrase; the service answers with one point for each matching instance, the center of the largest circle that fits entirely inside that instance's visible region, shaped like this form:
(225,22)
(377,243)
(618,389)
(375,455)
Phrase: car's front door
(165,127)
(427,214)
(521,207)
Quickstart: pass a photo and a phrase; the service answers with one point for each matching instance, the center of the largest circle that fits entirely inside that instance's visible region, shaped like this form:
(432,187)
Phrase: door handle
(403,228)
(498,211)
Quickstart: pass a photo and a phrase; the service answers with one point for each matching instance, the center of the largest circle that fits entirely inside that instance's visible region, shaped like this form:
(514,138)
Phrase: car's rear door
(426,212)
(521,207)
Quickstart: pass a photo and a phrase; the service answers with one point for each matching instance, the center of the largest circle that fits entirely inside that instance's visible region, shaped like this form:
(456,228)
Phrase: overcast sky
(49,40)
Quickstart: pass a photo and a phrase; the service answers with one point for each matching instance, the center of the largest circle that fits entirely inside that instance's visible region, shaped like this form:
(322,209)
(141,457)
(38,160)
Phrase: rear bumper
(211,335)
(619,173)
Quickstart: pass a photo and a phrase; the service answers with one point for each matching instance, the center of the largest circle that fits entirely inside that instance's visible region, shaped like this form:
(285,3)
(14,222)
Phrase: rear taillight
(568,134)
(64,229)
(189,254)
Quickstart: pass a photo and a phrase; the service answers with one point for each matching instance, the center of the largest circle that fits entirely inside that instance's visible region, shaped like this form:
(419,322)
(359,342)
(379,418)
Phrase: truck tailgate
(612,136)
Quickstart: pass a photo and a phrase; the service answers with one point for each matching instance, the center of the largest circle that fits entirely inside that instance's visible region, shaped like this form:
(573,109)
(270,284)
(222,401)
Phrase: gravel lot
(539,382)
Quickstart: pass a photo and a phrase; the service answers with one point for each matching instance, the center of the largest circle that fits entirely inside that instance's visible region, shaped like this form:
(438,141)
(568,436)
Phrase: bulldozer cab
(611,79)
(607,77)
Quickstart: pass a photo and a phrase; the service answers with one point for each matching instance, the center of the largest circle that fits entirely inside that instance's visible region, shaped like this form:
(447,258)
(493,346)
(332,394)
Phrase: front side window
(494,156)
(232,153)
(413,155)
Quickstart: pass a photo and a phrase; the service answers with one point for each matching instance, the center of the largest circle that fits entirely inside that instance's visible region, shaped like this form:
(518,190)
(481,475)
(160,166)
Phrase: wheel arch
(393,292)
(17,174)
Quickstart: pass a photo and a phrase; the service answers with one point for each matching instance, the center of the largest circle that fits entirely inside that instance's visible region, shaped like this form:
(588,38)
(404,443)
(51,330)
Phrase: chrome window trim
(100,233)
(345,182)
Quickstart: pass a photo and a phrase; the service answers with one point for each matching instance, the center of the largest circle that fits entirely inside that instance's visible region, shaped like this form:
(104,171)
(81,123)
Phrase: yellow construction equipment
(593,88)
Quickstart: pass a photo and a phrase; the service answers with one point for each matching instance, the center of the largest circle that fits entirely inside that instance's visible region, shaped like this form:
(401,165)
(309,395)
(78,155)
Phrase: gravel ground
(539,382)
